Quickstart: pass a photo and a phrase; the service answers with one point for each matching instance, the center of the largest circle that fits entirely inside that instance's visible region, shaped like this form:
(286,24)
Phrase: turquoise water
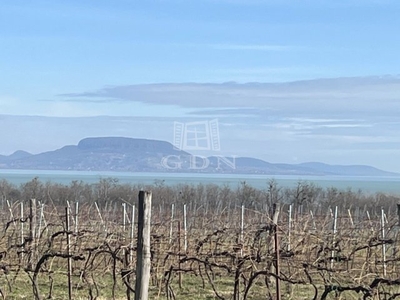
(366,184)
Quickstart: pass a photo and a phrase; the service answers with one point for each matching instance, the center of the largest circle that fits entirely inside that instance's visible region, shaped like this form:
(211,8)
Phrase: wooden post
(276,207)
(143,247)
(334,229)
(124,218)
(132,235)
(185,228)
(68,253)
(398,213)
(179,254)
(383,241)
(172,220)
(241,242)
(76,216)
(32,230)
(32,219)
(351,218)
(22,230)
(370,223)
(313,220)
(289,227)
(40,221)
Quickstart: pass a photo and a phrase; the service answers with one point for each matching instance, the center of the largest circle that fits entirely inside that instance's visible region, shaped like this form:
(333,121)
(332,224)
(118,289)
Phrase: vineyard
(216,247)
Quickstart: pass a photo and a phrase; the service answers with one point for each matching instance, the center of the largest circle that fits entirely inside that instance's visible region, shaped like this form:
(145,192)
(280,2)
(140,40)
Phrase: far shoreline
(371,184)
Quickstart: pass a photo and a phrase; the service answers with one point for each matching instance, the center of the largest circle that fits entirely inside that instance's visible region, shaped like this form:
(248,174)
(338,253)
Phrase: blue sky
(69,62)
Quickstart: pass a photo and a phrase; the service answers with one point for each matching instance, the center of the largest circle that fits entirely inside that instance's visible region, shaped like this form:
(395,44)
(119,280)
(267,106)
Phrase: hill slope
(143,155)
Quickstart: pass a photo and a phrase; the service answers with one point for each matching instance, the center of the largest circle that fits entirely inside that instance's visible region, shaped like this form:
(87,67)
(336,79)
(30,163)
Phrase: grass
(192,288)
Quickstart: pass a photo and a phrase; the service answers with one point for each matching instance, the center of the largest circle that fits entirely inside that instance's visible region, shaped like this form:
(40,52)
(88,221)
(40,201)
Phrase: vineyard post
(123,217)
(396,236)
(40,221)
(22,230)
(370,222)
(32,219)
(179,254)
(143,247)
(68,253)
(289,226)
(276,208)
(241,229)
(351,218)
(132,234)
(334,229)
(383,241)
(172,220)
(76,221)
(76,216)
(398,213)
(184,228)
(313,220)
(70,211)
(32,226)
(385,217)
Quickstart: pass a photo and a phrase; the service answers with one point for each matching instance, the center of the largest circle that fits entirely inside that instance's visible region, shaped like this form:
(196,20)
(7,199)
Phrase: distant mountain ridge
(144,155)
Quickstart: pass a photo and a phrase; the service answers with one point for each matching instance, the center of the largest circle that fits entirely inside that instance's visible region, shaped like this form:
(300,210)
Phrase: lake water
(366,184)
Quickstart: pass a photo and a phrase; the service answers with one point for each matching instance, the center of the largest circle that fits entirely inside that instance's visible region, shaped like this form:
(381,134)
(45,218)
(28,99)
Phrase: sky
(287,81)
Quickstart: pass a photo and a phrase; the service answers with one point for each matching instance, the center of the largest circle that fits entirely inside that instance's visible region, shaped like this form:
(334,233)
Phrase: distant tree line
(206,197)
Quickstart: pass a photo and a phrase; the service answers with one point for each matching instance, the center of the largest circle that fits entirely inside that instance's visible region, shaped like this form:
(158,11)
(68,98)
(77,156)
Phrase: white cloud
(252,47)
(345,125)
(318,120)
(327,96)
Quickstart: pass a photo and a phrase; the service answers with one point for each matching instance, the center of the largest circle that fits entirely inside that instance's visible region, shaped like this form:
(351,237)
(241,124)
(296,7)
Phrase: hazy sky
(288,81)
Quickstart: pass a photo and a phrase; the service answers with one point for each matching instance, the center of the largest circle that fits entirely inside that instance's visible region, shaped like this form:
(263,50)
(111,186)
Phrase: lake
(365,183)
